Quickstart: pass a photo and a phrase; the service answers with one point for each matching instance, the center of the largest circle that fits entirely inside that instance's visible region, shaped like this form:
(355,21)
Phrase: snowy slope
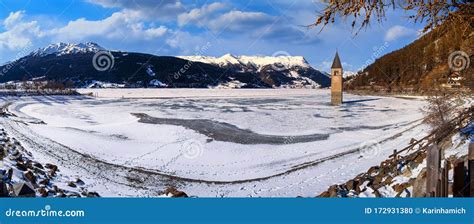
(349,74)
(67,48)
(285,71)
(257,62)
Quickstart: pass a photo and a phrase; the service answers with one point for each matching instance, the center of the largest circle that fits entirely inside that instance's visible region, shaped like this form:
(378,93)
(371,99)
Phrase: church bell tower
(336,81)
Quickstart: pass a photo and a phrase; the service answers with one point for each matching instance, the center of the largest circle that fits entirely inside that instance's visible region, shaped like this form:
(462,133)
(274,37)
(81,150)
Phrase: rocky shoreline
(401,176)
(22,176)
(392,178)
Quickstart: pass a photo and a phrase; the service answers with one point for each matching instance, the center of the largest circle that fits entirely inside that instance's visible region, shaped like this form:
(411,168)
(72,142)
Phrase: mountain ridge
(73,63)
(62,48)
(257,61)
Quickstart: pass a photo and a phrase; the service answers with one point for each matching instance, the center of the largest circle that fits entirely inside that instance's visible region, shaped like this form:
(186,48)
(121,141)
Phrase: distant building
(24,190)
(336,81)
(454,81)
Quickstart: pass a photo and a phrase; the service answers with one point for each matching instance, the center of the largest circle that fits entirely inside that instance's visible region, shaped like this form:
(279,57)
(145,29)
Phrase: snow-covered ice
(350,138)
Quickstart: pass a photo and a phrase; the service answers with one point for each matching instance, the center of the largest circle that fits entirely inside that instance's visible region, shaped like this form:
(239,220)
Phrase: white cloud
(397,32)
(151,9)
(155,32)
(18,34)
(200,16)
(136,4)
(256,25)
(326,66)
(124,25)
(187,43)
(239,21)
(13,18)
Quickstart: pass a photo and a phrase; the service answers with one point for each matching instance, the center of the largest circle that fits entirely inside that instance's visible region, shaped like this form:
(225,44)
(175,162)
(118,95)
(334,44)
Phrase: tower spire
(336,63)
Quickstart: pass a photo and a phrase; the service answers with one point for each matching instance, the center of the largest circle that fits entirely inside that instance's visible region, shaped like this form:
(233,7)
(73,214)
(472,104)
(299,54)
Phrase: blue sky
(190,27)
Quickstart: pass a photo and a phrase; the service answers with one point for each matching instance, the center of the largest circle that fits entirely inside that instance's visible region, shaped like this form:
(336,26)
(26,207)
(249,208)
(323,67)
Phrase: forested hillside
(423,64)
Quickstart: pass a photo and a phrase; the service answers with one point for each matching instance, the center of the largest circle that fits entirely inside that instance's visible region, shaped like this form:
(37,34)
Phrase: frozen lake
(215,142)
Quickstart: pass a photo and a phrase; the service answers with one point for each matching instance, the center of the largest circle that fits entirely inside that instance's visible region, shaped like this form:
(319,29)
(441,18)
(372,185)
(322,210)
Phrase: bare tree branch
(432,13)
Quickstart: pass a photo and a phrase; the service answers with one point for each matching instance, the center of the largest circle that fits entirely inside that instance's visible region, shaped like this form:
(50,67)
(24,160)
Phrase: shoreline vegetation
(405,173)
(362,92)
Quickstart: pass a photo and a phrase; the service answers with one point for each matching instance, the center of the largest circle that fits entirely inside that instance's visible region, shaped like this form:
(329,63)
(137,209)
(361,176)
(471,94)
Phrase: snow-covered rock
(234,84)
(99,84)
(257,62)
(157,83)
(67,48)
(349,74)
(150,71)
(23,176)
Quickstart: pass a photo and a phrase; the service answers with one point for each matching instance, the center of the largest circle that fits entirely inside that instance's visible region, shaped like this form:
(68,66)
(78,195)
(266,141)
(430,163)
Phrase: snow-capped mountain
(349,74)
(285,71)
(257,62)
(67,48)
(65,62)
